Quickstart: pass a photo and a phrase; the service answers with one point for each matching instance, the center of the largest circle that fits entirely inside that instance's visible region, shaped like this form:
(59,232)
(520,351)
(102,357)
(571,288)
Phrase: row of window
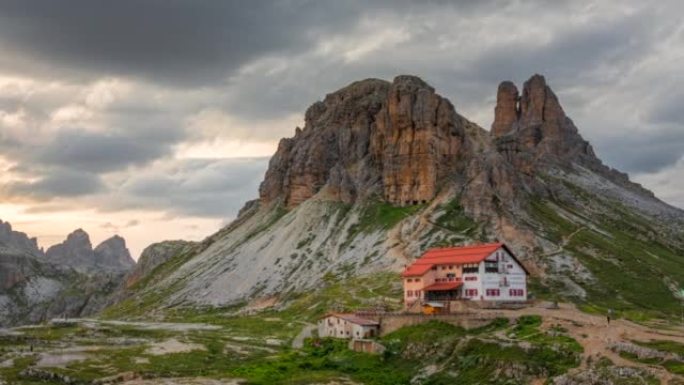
(413,280)
(474,293)
(511,292)
(470,278)
(411,293)
(493,292)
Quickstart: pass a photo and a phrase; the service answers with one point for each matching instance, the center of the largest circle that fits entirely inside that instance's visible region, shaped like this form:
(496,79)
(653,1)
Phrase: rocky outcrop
(112,254)
(77,252)
(533,132)
(397,140)
(417,141)
(506,112)
(69,279)
(331,150)
(532,128)
(10,239)
(153,256)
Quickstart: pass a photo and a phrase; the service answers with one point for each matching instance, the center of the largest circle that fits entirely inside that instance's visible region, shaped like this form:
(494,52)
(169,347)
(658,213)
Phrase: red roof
(451,256)
(443,286)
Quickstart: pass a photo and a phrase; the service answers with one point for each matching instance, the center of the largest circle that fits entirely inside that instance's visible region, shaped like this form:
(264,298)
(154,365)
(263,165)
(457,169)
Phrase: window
(443,267)
(491,267)
(470,278)
(409,293)
(451,267)
(516,292)
(471,292)
(493,292)
(470,268)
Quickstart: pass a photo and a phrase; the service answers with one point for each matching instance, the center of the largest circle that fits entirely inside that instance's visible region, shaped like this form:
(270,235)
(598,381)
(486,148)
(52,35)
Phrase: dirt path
(597,337)
(298,341)
(564,242)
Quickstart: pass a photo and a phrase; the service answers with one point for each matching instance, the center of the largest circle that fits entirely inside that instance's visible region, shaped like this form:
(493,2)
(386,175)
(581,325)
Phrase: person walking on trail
(609,315)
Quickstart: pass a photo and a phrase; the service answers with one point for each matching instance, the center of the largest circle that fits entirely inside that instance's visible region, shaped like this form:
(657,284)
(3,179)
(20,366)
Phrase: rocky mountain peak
(78,238)
(113,253)
(77,252)
(506,112)
(395,140)
(533,127)
(17,241)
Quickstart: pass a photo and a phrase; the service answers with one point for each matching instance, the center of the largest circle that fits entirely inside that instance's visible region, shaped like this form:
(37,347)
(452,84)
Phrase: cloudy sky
(154,119)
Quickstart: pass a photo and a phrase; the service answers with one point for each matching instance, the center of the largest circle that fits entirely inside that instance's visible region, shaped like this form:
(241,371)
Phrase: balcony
(448,279)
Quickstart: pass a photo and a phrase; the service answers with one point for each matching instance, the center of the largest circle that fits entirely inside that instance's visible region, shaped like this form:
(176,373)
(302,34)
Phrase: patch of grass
(380,215)
(480,361)
(663,346)
(527,329)
(11,374)
(413,342)
(324,360)
(676,367)
(454,219)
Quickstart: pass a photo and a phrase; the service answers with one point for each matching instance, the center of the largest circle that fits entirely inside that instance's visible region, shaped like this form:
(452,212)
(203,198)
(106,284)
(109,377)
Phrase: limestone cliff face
(417,141)
(154,255)
(396,140)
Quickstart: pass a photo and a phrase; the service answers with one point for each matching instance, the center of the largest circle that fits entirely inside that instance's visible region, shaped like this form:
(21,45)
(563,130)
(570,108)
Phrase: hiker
(609,315)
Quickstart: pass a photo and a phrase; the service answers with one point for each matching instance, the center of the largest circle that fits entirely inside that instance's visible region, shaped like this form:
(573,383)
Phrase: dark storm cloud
(169,40)
(634,153)
(571,57)
(200,187)
(669,110)
(58,184)
(95,152)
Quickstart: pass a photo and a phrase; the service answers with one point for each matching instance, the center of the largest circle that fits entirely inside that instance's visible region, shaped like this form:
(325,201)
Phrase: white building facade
(499,277)
(485,272)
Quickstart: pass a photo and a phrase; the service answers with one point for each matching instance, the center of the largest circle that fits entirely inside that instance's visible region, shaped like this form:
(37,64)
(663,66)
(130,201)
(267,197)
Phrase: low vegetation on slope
(631,269)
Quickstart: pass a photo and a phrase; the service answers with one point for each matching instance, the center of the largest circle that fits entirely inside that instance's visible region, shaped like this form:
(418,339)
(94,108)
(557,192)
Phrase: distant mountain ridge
(70,279)
(77,252)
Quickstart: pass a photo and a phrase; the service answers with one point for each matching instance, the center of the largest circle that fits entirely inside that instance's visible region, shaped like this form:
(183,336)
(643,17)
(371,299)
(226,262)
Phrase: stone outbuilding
(345,325)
